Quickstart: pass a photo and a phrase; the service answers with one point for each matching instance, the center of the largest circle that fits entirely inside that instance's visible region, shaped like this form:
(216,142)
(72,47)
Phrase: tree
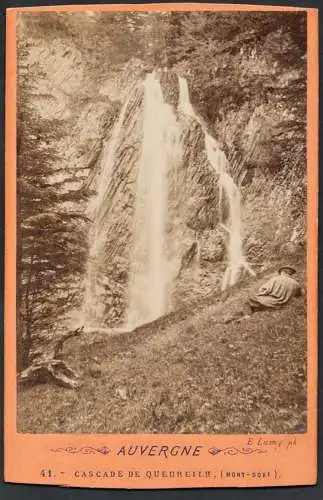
(52,227)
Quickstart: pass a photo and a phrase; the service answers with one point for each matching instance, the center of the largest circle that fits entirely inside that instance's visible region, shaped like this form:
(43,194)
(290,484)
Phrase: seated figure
(273,294)
(277,291)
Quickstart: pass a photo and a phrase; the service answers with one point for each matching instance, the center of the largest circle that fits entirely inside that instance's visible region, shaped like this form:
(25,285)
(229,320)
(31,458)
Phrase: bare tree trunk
(50,367)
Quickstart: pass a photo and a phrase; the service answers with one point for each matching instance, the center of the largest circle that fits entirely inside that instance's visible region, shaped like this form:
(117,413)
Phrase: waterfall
(227,186)
(149,269)
(184,104)
(108,161)
(91,304)
(149,183)
(236,260)
(232,227)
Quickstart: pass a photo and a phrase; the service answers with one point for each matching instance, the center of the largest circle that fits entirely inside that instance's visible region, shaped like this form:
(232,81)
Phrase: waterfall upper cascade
(218,161)
(152,245)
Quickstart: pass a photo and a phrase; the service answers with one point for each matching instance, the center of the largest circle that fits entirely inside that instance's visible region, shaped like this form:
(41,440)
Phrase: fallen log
(50,367)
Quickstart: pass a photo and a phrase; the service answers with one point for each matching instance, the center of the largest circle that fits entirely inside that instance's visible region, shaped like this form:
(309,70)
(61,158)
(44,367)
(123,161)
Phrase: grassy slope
(187,372)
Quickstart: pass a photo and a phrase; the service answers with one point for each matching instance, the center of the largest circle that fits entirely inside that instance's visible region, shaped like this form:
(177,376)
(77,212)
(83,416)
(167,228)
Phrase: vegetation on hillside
(186,373)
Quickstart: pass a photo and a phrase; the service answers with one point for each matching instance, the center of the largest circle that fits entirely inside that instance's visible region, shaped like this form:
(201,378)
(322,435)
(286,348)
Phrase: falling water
(108,162)
(91,305)
(218,161)
(153,251)
(235,255)
(236,259)
(148,277)
(184,104)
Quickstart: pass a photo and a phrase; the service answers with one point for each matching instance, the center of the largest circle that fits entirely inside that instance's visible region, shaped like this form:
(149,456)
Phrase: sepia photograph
(161,222)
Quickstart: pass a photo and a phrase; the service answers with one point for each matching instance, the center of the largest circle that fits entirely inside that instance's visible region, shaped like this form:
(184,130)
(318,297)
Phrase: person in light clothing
(273,294)
(276,292)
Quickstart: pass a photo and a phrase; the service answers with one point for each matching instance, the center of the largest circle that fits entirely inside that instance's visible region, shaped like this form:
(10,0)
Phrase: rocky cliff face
(192,209)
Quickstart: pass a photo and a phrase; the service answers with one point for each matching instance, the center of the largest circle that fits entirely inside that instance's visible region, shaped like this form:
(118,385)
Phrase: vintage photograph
(161,222)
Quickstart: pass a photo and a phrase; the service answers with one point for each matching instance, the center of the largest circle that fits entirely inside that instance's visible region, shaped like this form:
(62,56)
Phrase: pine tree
(52,227)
